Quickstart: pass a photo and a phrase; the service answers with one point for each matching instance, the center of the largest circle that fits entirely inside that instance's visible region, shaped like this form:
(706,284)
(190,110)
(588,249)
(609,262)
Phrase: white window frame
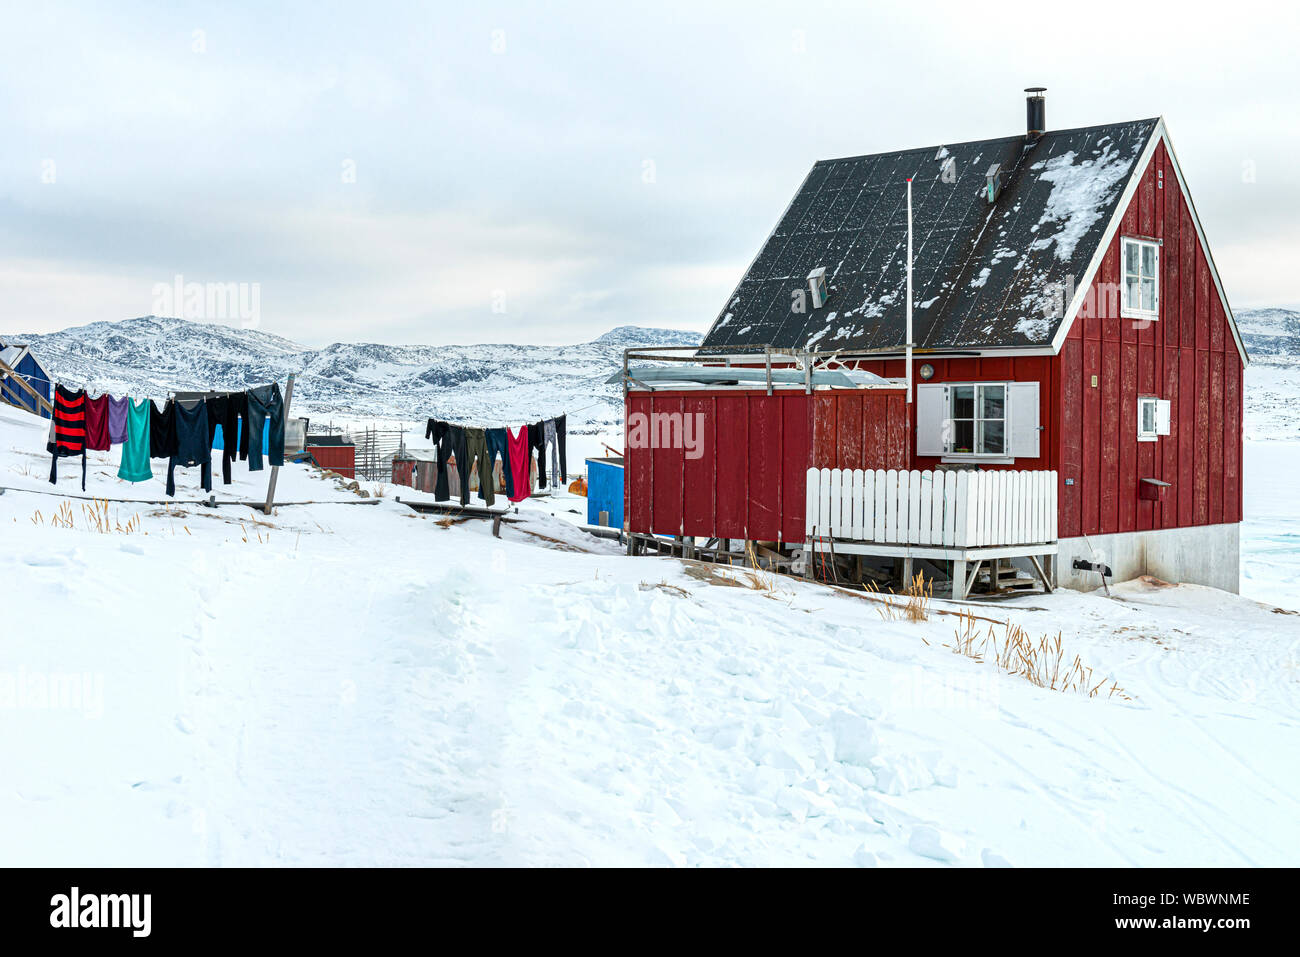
(1153,403)
(977,431)
(1136,312)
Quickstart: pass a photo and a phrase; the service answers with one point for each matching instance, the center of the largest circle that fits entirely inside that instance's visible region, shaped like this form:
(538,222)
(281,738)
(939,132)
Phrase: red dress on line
(521,462)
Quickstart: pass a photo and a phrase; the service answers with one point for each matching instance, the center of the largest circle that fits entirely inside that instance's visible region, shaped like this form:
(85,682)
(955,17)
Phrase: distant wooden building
(18,362)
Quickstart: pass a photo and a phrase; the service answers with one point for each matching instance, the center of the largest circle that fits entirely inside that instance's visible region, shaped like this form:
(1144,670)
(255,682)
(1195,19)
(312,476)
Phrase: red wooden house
(1067,316)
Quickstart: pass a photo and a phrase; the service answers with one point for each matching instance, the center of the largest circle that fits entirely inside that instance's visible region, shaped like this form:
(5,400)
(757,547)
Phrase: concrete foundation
(1198,555)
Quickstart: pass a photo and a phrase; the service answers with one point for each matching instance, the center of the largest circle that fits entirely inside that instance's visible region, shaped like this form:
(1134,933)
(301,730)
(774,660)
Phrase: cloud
(386,171)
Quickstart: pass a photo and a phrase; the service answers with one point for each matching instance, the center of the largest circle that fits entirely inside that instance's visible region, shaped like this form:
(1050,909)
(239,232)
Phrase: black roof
(323,440)
(984,275)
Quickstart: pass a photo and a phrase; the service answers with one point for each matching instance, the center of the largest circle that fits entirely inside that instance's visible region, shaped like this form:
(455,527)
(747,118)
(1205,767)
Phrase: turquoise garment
(135,451)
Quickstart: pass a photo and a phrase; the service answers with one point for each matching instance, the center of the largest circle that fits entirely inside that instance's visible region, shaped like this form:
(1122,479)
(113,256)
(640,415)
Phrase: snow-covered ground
(358,684)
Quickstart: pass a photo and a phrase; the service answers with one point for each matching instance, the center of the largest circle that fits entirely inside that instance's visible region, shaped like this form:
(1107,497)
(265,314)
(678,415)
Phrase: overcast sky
(527,172)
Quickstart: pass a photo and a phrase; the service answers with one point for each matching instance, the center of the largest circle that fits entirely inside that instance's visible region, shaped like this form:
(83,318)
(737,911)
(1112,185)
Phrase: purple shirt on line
(117,419)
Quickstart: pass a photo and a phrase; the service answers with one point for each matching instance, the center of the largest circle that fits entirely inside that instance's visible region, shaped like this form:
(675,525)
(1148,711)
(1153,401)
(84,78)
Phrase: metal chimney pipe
(1035,113)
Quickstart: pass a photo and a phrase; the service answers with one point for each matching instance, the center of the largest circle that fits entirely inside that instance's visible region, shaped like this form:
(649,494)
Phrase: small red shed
(404,471)
(1067,318)
(334,452)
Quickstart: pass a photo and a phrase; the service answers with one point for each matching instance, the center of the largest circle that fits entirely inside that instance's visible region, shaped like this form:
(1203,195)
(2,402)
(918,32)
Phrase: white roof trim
(1159,135)
(20,352)
(1117,218)
(1200,233)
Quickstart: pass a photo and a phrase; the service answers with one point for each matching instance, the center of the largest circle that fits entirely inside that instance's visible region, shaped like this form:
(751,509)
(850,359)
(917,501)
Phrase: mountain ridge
(489,383)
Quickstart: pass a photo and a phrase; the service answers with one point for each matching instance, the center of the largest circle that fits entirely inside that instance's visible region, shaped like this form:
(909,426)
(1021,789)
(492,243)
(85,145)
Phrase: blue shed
(605,492)
(20,358)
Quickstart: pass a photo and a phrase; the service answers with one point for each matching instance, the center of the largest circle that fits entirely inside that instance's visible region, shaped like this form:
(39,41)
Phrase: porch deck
(963,517)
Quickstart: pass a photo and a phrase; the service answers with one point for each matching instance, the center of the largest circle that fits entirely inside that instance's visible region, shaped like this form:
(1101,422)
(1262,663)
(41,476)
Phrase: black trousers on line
(497,443)
(476,452)
(451,441)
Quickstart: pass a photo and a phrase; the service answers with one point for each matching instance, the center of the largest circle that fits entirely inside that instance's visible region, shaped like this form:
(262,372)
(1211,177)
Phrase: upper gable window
(1140,261)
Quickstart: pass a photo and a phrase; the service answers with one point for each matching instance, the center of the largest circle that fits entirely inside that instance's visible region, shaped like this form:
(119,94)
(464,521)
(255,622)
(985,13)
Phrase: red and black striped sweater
(68,430)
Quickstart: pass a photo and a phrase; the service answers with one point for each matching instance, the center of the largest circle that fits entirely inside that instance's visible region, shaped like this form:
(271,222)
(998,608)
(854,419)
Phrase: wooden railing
(956,509)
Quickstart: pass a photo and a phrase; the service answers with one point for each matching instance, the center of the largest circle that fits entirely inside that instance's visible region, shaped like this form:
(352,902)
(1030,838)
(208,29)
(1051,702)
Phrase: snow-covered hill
(1272,337)
(498,383)
(1270,332)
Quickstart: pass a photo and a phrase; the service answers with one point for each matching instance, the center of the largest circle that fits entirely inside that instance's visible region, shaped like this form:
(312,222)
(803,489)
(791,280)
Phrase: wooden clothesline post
(275,469)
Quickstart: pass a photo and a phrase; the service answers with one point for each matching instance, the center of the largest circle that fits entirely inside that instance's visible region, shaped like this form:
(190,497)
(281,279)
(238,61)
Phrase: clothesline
(516,419)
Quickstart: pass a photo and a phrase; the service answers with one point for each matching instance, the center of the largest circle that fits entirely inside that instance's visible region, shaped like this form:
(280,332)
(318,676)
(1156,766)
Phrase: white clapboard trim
(856,498)
(925,518)
(811,497)
(891,506)
(902,532)
(950,508)
(882,479)
(954,509)
(868,524)
(824,505)
(835,525)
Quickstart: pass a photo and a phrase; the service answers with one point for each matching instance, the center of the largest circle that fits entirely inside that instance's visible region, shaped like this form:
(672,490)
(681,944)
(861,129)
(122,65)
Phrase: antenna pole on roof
(909,290)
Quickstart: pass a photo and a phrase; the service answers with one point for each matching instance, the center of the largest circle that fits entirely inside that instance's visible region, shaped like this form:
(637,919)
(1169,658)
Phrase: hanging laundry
(265,405)
(476,454)
(97,438)
(117,428)
(67,430)
(452,449)
(440,433)
(193,445)
(162,431)
(135,451)
(498,445)
(225,411)
(560,443)
(537,441)
(553,429)
(518,487)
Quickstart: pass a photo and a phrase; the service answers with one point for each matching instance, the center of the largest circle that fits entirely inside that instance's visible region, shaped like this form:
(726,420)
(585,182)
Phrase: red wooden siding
(337,458)
(750,481)
(1188,356)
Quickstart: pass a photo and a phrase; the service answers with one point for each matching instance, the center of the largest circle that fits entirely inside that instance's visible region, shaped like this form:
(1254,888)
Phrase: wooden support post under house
(959,579)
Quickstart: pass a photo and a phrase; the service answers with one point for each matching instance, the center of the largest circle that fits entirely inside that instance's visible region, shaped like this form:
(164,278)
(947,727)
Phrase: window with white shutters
(1153,418)
(931,419)
(1025,426)
(977,421)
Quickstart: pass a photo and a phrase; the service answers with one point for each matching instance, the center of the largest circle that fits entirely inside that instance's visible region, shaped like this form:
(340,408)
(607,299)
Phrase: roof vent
(817,285)
(993,182)
(1035,113)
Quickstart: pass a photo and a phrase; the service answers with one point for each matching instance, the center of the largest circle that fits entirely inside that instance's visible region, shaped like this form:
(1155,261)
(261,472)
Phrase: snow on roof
(988,274)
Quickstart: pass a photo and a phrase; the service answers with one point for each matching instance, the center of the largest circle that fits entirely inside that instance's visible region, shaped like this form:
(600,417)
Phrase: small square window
(1141,279)
(1153,418)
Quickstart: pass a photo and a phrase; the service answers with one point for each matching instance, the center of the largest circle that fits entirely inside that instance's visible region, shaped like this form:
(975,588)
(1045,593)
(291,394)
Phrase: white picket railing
(960,509)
